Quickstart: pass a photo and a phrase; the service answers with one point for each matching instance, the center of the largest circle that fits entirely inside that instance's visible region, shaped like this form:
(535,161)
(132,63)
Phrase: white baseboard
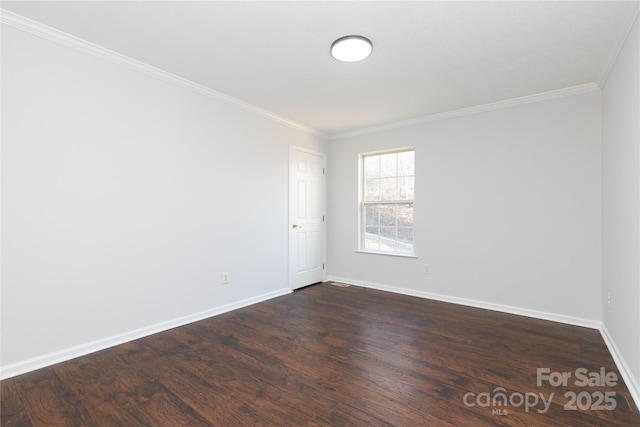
(49,359)
(554,317)
(87,348)
(625,371)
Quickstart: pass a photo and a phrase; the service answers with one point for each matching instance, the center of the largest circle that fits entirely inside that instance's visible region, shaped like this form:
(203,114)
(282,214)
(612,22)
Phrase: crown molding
(529,99)
(52,34)
(618,44)
(38,29)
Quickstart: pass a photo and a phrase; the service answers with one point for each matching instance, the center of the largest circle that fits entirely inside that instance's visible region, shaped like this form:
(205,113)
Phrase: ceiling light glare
(351,48)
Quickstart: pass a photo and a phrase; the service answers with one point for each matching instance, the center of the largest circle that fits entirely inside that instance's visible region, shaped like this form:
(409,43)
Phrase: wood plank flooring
(329,356)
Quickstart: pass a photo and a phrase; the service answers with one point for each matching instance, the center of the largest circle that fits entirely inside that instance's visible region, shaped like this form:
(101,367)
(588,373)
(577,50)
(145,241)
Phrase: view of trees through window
(387,203)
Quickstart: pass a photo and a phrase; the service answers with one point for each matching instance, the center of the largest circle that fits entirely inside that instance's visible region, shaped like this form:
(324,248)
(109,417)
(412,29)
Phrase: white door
(306,218)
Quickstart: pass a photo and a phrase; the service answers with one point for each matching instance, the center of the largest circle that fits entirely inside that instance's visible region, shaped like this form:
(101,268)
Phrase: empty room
(320,213)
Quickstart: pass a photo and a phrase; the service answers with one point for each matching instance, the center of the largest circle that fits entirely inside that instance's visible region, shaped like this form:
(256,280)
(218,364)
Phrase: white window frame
(362,205)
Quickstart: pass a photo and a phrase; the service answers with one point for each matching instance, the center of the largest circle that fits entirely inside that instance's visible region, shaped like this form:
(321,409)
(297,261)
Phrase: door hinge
(322,171)
(322,218)
(323,266)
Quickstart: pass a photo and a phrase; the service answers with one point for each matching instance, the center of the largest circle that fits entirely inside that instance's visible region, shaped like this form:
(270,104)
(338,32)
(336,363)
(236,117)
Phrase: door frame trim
(324,210)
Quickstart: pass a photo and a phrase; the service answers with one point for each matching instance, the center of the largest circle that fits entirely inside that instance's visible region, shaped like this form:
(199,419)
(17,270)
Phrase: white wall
(124,198)
(621,203)
(507,209)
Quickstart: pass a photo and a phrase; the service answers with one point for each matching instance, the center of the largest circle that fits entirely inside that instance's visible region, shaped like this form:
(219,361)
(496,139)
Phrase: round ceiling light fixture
(351,48)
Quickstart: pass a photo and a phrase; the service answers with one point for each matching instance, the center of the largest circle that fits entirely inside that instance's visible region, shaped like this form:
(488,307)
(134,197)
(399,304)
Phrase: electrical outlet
(427,269)
(609,299)
(225,278)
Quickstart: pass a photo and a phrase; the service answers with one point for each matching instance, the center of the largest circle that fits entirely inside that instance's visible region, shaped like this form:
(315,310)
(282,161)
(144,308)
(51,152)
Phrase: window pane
(405,235)
(406,163)
(405,240)
(371,215)
(387,215)
(388,189)
(371,238)
(404,213)
(388,239)
(388,233)
(372,190)
(388,165)
(372,166)
(405,188)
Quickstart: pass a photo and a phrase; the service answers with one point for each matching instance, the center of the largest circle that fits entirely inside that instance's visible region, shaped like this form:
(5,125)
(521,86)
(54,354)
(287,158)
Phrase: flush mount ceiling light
(351,48)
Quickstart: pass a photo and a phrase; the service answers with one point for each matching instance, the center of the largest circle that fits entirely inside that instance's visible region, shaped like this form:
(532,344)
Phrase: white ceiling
(428,57)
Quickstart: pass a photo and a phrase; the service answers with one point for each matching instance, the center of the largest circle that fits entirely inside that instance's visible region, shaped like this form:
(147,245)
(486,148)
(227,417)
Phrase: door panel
(302,199)
(301,241)
(306,218)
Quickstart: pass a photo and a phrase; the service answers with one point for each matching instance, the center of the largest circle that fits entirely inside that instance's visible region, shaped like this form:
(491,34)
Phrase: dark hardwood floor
(331,356)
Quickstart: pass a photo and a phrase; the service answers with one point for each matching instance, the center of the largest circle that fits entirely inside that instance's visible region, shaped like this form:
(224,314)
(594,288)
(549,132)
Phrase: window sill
(388,254)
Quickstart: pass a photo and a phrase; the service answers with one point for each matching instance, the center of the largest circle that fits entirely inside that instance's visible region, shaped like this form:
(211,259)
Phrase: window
(386,208)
